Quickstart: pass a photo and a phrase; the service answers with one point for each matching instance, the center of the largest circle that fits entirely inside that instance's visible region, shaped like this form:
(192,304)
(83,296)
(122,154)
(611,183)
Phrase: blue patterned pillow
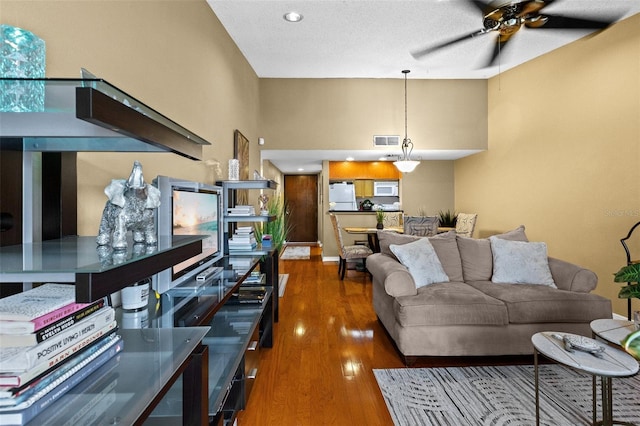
(519,262)
(420,258)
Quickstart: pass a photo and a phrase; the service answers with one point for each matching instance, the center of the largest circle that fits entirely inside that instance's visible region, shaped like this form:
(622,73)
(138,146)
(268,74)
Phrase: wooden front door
(301,198)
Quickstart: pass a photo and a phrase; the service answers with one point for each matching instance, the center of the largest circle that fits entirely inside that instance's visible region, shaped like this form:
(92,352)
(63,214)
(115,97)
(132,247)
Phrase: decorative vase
(380,225)
(234,169)
(22,55)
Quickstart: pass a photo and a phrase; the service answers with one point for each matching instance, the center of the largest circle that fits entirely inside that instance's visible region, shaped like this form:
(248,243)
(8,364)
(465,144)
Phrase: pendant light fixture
(405,164)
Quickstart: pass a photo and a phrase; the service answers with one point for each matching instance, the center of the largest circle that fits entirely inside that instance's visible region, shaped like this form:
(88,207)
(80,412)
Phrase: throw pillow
(444,244)
(420,258)
(386,238)
(446,248)
(519,262)
(476,256)
(514,235)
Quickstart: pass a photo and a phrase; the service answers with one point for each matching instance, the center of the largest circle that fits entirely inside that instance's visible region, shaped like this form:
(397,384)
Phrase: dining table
(372,233)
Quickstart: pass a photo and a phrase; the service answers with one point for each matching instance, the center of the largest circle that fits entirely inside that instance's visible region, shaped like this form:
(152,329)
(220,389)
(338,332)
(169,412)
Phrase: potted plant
(447,219)
(629,274)
(380,219)
(277,228)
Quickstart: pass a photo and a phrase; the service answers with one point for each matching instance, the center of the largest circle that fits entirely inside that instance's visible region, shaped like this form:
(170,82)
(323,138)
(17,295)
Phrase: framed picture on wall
(241,153)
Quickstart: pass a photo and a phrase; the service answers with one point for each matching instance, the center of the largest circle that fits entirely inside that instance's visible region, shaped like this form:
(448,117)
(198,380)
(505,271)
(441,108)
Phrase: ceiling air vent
(384,141)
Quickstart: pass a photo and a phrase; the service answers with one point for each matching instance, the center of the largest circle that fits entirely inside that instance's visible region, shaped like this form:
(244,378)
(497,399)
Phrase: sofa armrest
(569,276)
(395,278)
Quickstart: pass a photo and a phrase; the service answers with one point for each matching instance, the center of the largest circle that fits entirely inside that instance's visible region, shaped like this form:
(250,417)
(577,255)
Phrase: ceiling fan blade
(533,7)
(418,54)
(479,5)
(498,48)
(559,22)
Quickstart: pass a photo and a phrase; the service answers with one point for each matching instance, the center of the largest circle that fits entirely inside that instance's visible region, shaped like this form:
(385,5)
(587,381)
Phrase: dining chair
(424,226)
(392,219)
(465,224)
(353,252)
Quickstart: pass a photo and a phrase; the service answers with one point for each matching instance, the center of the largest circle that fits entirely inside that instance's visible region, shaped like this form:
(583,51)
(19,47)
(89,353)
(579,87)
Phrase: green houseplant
(279,227)
(447,219)
(629,274)
(380,219)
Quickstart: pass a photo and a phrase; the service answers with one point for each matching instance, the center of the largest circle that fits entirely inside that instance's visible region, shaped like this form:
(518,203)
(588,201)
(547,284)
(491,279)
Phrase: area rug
(282,284)
(296,252)
(502,395)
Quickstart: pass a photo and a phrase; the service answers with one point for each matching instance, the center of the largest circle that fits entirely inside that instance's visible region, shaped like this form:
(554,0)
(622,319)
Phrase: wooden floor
(326,344)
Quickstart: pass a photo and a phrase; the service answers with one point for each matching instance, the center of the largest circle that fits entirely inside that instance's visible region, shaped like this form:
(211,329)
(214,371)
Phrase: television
(189,208)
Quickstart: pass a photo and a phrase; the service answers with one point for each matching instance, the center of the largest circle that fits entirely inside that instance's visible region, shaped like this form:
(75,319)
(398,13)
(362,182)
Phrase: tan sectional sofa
(469,314)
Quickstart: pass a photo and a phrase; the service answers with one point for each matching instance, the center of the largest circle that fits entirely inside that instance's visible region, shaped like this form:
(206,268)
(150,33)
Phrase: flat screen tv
(189,208)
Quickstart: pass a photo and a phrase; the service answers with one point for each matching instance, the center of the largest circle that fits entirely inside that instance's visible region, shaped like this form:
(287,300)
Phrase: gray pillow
(420,258)
(476,256)
(519,262)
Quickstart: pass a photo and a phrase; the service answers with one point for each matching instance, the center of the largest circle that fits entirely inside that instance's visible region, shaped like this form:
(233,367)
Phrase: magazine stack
(48,345)
(241,210)
(243,240)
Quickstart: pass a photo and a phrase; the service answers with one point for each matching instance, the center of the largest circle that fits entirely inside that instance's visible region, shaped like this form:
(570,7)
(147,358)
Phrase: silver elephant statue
(130,208)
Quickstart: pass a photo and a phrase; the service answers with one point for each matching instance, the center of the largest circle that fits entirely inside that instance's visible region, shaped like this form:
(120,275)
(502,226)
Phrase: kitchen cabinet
(364,188)
(350,170)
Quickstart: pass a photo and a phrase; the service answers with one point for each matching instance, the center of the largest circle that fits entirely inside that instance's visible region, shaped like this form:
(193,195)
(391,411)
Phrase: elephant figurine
(129,208)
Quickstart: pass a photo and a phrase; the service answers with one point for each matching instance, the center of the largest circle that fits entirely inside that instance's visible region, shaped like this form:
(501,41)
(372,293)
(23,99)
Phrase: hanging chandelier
(405,164)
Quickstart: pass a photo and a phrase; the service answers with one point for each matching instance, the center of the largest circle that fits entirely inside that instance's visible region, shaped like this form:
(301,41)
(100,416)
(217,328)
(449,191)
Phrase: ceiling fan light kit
(405,164)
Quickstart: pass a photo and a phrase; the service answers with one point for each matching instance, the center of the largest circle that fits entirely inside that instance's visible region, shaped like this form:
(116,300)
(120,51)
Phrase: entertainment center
(191,357)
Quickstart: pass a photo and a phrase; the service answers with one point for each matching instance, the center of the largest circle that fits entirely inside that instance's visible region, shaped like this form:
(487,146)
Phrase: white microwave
(385,189)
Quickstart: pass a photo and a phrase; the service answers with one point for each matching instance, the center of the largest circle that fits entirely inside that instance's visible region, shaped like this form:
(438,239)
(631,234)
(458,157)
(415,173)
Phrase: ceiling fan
(506,18)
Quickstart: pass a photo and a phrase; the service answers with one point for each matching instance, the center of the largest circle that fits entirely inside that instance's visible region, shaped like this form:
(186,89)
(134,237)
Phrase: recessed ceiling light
(349,158)
(293,17)
(301,169)
(382,158)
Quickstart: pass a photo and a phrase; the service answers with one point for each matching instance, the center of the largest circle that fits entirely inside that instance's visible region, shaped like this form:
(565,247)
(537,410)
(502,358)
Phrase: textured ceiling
(374,39)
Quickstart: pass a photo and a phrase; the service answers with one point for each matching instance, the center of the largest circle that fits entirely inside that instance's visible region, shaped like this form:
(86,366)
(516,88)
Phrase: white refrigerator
(342,196)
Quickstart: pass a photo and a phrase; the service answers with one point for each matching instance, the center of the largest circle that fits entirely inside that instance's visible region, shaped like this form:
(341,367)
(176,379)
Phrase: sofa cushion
(520,262)
(421,260)
(444,244)
(453,303)
(529,303)
(477,258)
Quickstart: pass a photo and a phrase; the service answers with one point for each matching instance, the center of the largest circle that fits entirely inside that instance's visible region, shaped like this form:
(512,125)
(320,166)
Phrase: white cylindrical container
(234,169)
(135,296)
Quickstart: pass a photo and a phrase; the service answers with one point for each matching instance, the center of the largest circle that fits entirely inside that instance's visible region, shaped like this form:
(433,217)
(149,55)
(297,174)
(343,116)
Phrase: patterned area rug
(499,396)
(296,252)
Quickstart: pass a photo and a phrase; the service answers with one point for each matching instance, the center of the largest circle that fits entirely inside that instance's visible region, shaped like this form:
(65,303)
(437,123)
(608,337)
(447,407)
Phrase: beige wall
(174,56)
(564,146)
(340,114)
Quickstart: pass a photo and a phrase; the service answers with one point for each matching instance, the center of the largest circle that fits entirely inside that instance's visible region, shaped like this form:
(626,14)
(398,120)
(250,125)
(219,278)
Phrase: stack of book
(253,295)
(243,239)
(266,241)
(48,345)
(241,210)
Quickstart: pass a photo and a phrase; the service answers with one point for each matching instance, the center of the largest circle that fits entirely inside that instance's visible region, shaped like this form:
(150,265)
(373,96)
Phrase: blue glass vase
(22,55)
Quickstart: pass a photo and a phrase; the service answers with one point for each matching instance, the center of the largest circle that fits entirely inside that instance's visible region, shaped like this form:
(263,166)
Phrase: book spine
(22,359)
(23,379)
(29,383)
(51,317)
(55,391)
(99,357)
(63,323)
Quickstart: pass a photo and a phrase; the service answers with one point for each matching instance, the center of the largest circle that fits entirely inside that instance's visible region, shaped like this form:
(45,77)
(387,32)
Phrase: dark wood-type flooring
(326,344)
